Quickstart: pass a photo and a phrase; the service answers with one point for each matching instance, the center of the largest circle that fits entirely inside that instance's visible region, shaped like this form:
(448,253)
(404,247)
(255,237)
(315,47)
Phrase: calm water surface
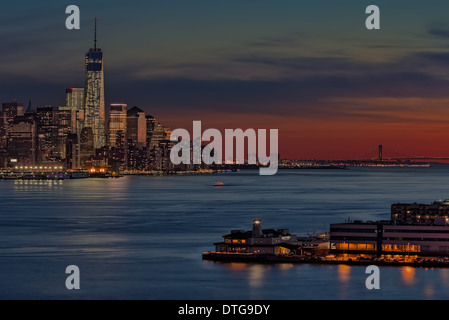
(142,237)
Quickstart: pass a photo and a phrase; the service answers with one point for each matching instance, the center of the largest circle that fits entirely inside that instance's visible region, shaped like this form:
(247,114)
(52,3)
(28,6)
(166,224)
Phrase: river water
(141,237)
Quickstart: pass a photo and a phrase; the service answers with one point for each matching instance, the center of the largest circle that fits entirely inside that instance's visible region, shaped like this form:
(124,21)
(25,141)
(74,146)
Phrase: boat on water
(219,184)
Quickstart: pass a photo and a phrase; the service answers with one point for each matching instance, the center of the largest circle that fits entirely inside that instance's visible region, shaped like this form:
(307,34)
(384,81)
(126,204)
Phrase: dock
(279,259)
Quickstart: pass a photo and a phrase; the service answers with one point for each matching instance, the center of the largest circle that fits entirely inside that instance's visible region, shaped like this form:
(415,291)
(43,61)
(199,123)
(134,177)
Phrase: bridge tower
(380,152)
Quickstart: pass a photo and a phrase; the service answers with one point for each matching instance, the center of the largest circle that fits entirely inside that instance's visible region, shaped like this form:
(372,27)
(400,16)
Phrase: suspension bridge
(381,153)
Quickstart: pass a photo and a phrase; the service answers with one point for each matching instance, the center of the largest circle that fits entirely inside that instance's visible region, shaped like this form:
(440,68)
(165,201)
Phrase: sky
(310,69)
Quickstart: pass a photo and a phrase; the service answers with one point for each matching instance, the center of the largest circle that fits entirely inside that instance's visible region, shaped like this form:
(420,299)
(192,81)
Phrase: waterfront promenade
(428,262)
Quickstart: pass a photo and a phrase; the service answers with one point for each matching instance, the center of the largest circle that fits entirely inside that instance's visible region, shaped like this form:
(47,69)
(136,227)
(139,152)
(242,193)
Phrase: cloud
(261,81)
(331,96)
(438,32)
(295,39)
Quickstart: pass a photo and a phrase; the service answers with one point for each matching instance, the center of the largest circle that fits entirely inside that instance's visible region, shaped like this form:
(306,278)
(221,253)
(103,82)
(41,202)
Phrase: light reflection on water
(256,275)
(408,275)
(344,273)
(142,237)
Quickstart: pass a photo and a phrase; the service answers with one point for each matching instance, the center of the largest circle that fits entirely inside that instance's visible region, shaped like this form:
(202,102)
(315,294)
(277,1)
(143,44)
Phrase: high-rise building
(3,143)
(160,134)
(420,213)
(151,125)
(117,124)
(136,127)
(74,99)
(118,154)
(158,144)
(86,142)
(10,111)
(72,152)
(47,133)
(160,156)
(138,159)
(94,104)
(53,127)
(2,132)
(64,123)
(22,141)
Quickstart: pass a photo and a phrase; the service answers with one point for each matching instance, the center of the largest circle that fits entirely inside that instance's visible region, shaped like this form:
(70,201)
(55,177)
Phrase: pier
(351,243)
(34,173)
(431,262)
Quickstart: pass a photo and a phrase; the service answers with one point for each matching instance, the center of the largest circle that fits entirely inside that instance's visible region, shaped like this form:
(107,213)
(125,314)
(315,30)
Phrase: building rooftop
(266,233)
(134,110)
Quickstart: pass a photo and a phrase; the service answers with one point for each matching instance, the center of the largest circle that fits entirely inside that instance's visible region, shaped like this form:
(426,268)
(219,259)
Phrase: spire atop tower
(30,108)
(95,37)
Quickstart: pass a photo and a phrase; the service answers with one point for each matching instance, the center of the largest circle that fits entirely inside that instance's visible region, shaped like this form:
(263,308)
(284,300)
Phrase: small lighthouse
(257,228)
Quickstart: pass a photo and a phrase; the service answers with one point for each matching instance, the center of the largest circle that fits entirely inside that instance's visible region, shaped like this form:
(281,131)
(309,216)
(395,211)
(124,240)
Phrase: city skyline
(79,136)
(286,69)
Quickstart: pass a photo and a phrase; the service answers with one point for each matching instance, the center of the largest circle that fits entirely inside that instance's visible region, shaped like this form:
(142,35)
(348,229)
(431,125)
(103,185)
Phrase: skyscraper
(10,111)
(53,127)
(94,105)
(47,132)
(117,136)
(73,152)
(136,127)
(86,142)
(74,99)
(117,124)
(22,141)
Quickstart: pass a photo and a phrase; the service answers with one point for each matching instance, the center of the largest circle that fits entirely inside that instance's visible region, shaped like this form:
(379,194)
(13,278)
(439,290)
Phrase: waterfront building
(388,238)
(100,159)
(138,159)
(118,154)
(414,229)
(94,103)
(259,241)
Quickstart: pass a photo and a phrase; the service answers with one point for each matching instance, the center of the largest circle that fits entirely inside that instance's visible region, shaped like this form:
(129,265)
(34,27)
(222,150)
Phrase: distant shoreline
(64,175)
